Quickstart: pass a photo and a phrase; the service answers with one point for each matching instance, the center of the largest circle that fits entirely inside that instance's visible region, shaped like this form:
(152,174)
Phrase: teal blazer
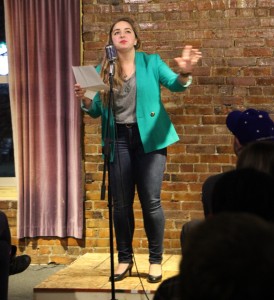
(156,129)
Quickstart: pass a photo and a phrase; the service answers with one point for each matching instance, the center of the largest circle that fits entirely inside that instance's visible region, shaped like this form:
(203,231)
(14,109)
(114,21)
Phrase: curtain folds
(43,39)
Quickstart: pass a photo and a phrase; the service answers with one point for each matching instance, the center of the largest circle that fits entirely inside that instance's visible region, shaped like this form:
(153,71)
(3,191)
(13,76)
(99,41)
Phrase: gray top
(124,106)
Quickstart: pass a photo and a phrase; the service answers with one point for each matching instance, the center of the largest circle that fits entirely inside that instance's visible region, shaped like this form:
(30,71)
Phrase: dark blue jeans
(133,168)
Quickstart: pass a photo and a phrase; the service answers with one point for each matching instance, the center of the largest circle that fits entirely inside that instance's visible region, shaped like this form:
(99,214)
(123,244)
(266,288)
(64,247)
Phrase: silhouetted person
(10,264)
(229,257)
(5,242)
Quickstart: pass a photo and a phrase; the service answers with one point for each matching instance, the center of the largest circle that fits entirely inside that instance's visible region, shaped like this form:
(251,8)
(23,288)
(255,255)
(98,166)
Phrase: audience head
(258,155)
(249,126)
(229,257)
(244,190)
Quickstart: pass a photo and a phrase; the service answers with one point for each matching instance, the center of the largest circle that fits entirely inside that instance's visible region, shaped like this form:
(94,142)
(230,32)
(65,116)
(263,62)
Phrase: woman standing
(142,130)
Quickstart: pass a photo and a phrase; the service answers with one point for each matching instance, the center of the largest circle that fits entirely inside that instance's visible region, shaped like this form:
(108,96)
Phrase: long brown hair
(117,78)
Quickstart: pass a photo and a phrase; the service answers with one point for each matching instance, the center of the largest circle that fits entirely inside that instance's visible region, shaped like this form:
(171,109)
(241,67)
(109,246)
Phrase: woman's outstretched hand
(188,60)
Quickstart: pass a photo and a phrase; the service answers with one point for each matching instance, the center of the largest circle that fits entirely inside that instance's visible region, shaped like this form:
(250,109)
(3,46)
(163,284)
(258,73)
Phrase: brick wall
(236,72)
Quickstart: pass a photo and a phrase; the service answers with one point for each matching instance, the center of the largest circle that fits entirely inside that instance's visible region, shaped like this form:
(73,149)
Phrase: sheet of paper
(88,78)
(90,94)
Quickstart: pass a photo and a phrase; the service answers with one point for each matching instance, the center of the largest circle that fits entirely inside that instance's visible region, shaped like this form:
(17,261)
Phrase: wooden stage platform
(88,278)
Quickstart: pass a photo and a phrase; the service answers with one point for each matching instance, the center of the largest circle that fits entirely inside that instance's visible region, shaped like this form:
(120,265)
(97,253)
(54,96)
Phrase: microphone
(111,53)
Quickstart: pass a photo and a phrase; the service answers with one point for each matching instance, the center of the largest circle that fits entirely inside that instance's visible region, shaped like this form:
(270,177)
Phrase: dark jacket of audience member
(245,190)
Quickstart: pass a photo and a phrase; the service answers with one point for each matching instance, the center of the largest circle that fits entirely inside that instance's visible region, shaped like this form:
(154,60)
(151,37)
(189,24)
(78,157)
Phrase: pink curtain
(43,38)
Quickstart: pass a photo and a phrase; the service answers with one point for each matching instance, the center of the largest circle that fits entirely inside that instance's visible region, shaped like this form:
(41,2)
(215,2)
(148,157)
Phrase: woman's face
(123,37)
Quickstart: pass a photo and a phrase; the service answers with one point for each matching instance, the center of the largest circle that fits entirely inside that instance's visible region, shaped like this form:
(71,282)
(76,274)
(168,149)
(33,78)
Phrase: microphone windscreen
(111,53)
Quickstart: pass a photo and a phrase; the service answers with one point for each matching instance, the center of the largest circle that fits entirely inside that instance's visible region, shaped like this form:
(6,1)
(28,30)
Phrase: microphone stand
(107,151)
